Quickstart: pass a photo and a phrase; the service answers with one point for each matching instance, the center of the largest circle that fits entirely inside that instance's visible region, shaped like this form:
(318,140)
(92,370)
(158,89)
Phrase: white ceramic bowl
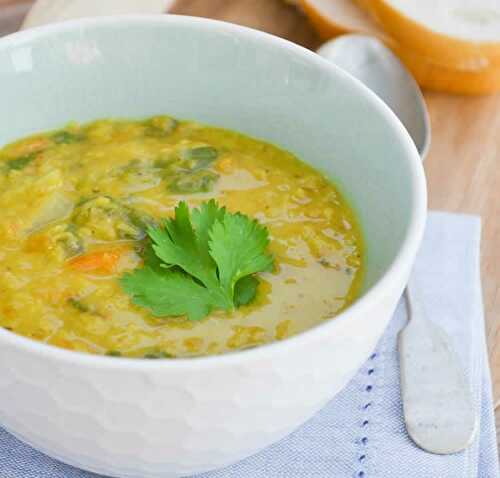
(139,418)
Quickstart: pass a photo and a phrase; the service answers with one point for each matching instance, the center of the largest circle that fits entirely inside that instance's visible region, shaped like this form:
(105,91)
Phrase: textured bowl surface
(148,419)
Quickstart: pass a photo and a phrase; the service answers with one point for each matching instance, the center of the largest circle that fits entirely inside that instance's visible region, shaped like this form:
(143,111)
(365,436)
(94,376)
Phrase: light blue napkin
(361,433)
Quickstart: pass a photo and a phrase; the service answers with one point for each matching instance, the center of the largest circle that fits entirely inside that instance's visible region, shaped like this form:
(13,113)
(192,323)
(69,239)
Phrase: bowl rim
(361,305)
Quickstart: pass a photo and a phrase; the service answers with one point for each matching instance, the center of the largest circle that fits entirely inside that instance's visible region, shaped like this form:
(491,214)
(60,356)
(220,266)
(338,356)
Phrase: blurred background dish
(455,64)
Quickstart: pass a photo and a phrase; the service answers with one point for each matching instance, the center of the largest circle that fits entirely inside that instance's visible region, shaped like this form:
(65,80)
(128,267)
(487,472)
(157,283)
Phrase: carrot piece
(104,261)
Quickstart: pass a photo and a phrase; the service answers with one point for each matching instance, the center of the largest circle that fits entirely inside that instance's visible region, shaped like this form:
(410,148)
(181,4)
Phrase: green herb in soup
(208,259)
(162,238)
(21,162)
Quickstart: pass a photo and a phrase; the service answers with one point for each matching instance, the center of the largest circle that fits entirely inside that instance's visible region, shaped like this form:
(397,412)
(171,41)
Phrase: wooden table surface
(463,167)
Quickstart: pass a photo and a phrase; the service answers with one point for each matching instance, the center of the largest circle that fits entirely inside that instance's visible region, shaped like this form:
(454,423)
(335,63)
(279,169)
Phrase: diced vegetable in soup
(165,238)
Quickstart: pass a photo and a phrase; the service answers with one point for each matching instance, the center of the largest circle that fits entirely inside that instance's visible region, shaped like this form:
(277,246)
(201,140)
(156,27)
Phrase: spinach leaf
(157,355)
(127,222)
(21,162)
(160,126)
(200,181)
(67,137)
(78,305)
(201,154)
(140,219)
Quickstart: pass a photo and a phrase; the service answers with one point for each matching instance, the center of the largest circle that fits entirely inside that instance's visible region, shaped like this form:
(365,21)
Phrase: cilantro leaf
(170,293)
(203,219)
(177,244)
(238,246)
(198,262)
(151,260)
(245,290)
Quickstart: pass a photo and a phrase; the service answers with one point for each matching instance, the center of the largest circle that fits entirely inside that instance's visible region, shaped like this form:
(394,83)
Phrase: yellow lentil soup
(75,204)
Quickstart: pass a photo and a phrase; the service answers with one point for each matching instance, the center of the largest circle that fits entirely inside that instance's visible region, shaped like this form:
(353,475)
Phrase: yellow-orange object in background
(335,17)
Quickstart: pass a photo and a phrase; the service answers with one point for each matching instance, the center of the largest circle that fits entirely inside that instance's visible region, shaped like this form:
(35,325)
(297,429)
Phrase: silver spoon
(437,401)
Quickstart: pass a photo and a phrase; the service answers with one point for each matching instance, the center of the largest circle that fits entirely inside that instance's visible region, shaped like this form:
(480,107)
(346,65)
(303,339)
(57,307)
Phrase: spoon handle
(437,402)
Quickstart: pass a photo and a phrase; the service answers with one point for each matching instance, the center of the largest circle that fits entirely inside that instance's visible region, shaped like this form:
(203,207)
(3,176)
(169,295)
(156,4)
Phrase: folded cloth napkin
(361,433)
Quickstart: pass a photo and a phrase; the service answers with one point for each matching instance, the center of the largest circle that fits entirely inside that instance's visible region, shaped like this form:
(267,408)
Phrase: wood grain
(463,167)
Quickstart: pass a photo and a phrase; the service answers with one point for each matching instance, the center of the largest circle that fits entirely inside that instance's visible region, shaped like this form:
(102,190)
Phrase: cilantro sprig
(200,261)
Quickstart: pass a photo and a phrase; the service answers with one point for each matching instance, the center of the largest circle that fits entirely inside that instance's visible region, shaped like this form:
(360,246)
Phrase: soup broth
(74,206)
